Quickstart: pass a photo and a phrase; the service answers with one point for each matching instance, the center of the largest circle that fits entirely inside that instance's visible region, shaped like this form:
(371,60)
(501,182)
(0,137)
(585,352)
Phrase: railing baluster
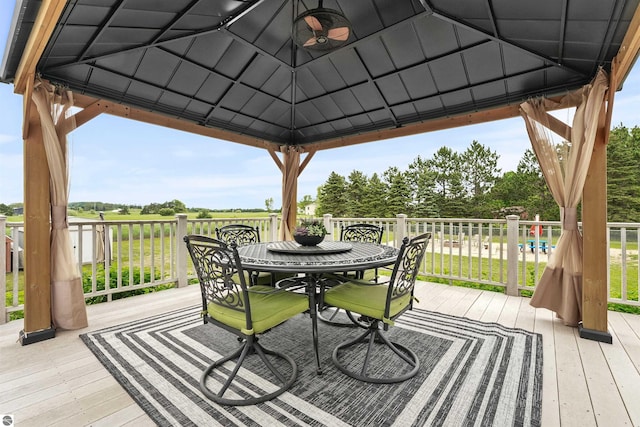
(131,259)
(119,258)
(107,261)
(623,273)
(94,260)
(483,264)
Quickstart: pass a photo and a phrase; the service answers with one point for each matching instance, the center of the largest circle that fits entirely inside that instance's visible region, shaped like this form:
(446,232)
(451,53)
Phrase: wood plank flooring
(59,382)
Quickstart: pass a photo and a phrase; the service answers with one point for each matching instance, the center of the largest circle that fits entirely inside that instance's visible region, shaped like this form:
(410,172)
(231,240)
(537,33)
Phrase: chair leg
(249,347)
(376,338)
(333,316)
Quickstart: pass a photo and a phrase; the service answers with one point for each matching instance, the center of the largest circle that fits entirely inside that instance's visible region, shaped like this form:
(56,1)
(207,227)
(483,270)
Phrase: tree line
(469,184)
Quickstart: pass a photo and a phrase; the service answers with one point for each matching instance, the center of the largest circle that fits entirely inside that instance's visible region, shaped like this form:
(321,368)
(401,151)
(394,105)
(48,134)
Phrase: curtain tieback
(570,219)
(59,217)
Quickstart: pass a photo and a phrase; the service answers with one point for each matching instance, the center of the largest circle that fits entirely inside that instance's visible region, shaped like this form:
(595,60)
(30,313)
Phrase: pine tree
(375,205)
(422,182)
(479,168)
(450,194)
(356,194)
(332,196)
(623,175)
(399,195)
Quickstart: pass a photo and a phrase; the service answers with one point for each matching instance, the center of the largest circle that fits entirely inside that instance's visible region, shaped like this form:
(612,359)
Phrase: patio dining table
(312,262)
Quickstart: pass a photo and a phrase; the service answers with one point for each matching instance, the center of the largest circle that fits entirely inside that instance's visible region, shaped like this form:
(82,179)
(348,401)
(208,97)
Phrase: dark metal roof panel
(232,64)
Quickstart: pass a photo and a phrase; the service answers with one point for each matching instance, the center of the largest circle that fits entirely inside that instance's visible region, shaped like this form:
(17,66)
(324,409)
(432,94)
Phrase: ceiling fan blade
(341,33)
(313,23)
(310,42)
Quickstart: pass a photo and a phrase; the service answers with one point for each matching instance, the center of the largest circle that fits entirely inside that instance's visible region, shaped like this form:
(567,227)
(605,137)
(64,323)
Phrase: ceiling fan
(321,29)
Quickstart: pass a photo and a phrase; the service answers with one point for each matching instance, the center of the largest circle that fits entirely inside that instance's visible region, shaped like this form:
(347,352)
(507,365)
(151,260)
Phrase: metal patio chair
(379,305)
(228,303)
(242,234)
(368,233)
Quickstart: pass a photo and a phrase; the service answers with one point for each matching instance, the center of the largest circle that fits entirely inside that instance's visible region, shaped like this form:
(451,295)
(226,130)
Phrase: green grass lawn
(135,215)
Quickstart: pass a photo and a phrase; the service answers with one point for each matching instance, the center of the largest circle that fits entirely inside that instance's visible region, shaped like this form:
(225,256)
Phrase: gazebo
(293,77)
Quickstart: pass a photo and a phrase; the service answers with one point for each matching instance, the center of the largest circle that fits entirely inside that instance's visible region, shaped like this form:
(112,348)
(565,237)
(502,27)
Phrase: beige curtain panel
(290,173)
(564,167)
(67,296)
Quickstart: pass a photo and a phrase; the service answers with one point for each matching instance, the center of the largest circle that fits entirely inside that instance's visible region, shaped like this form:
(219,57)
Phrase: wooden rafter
(170,122)
(89,112)
(43,27)
(306,161)
(422,127)
(26,106)
(628,52)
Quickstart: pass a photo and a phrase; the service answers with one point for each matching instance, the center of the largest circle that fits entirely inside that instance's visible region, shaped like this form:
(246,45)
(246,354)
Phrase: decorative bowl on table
(310,232)
(305,240)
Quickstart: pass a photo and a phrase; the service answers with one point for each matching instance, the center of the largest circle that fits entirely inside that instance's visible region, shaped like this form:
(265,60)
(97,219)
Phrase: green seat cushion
(368,300)
(268,309)
(368,276)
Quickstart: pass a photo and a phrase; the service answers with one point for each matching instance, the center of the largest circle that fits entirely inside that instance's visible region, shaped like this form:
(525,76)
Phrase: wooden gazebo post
(37,245)
(37,207)
(594,201)
(594,235)
(291,168)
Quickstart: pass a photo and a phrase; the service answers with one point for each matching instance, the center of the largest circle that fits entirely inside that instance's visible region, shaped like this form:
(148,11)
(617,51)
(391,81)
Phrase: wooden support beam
(594,226)
(48,16)
(37,268)
(306,161)
(26,106)
(276,159)
(483,116)
(87,113)
(558,127)
(170,122)
(628,52)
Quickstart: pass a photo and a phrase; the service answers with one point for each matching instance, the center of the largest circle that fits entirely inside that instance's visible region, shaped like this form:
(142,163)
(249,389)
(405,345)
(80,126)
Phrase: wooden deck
(60,382)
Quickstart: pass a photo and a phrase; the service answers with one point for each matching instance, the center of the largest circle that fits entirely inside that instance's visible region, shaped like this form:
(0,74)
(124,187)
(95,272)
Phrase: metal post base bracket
(27,338)
(592,334)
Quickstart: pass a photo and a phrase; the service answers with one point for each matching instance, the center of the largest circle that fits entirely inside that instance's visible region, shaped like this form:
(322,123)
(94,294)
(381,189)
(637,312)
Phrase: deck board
(550,398)
(573,394)
(59,382)
(623,361)
(605,396)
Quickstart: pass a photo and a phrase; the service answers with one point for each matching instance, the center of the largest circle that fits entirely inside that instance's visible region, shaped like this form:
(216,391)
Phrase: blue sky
(122,161)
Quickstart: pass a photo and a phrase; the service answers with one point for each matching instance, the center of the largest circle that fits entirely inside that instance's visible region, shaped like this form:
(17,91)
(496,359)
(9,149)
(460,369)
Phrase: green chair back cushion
(368,300)
(268,309)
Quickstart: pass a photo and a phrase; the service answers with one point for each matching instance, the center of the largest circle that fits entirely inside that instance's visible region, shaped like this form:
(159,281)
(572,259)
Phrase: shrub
(202,214)
(166,212)
(113,283)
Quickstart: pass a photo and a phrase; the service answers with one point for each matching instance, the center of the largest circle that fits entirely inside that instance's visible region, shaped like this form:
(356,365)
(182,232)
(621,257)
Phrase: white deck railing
(145,254)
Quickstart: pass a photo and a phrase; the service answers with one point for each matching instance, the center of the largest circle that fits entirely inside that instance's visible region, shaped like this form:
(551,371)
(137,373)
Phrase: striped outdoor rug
(472,373)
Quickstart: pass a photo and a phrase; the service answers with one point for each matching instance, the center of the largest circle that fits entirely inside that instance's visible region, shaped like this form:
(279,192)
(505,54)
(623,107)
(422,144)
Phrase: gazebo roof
(408,66)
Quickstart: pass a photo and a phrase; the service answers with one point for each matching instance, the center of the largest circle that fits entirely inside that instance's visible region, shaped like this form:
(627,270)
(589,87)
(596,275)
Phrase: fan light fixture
(321,29)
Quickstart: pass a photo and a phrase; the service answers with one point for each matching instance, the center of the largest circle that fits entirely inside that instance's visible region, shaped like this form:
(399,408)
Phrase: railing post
(3,270)
(326,220)
(512,254)
(181,250)
(273,228)
(401,229)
